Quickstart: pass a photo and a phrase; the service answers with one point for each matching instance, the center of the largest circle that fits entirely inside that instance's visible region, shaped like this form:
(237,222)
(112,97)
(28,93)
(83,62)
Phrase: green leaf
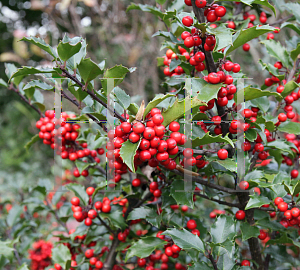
(67,49)
(282,146)
(3,83)
(29,88)
(82,165)
(185,239)
(269,224)
(251,135)
(116,218)
(248,231)
(122,97)
(243,36)
(289,88)
(79,192)
(252,93)
(223,36)
(41,44)
(6,248)
(127,153)
(154,102)
(223,229)
(262,103)
(24,71)
(291,26)
(290,127)
(34,139)
(256,201)
(161,2)
(78,92)
(199,265)
(61,255)
(147,8)
(228,164)
(294,8)
(174,64)
(274,71)
(24,266)
(278,51)
(140,213)
(207,139)
(144,247)
(177,110)
(89,70)
(13,215)
(180,194)
(207,91)
(117,73)
(295,52)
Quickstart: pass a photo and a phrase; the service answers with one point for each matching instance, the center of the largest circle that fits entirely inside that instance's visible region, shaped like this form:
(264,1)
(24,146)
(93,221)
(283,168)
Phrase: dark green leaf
(185,239)
(199,265)
(6,248)
(248,231)
(30,87)
(14,214)
(24,266)
(291,26)
(116,218)
(207,139)
(290,127)
(295,52)
(127,153)
(223,229)
(223,36)
(278,51)
(174,64)
(41,44)
(294,8)
(289,88)
(154,102)
(3,83)
(228,164)
(89,70)
(207,91)
(144,247)
(252,93)
(251,135)
(122,97)
(79,192)
(61,255)
(24,71)
(256,201)
(67,49)
(243,36)
(180,194)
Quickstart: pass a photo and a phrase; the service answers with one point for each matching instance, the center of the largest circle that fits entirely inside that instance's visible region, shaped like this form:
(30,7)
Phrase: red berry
(220,11)
(75,201)
(92,214)
(98,205)
(246,47)
(200,3)
(244,185)
(136,182)
(222,154)
(262,235)
(213,78)
(282,117)
(245,263)
(187,21)
(294,173)
(240,215)
(134,137)
(282,206)
(138,128)
(90,191)
(191,224)
(106,208)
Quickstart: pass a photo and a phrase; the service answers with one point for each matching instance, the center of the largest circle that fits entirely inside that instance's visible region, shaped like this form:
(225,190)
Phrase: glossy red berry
(222,154)
(187,21)
(282,206)
(90,191)
(200,3)
(246,47)
(136,182)
(191,224)
(245,263)
(106,208)
(75,201)
(240,215)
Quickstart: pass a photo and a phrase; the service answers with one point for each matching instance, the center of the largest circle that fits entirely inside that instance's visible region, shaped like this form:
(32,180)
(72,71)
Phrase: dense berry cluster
(40,255)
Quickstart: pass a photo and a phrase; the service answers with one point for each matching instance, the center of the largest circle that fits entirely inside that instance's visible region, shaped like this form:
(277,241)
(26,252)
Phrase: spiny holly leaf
(284,240)
(256,201)
(141,212)
(290,127)
(79,192)
(89,70)
(291,26)
(116,218)
(67,49)
(24,71)
(271,69)
(294,8)
(207,139)
(252,93)
(24,266)
(29,88)
(153,10)
(127,153)
(83,165)
(223,36)
(61,255)
(258,2)
(248,231)
(34,139)
(207,91)
(41,44)
(144,247)
(295,52)
(289,88)
(117,73)
(282,146)
(178,109)
(223,229)
(78,92)
(185,239)
(243,36)
(228,164)
(154,102)
(122,97)
(199,265)
(278,51)
(6,248)
(180,194)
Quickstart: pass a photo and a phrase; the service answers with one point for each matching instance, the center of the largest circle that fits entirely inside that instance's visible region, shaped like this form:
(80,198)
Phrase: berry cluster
(291,217)
(40,255)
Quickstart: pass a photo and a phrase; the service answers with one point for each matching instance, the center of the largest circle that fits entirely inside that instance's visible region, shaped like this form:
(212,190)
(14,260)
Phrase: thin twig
(105,225)
(11,87)
(282,20)
(218,201)
(211,258)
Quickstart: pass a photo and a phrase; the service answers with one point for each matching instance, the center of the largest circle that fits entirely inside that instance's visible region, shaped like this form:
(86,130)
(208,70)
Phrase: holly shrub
(162,185)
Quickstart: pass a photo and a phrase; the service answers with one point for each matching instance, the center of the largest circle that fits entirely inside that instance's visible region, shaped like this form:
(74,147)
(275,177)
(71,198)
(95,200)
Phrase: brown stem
(282,20)
(211,258)
(218,201)
(11,87)
(105,225)
(74,79)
